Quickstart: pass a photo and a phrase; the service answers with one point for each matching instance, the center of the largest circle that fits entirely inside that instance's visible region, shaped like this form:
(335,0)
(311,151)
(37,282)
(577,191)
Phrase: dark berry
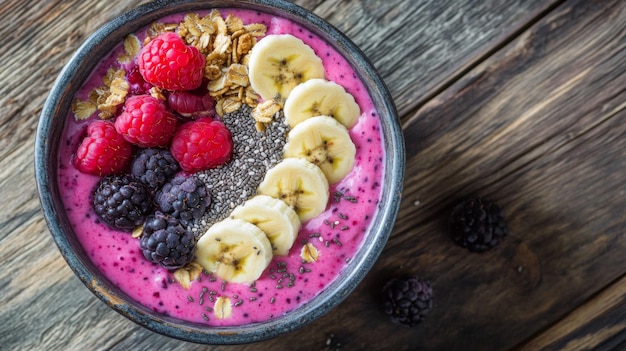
(121,201)
(184,198)
(477,225)
(407,300)
(154,167)
(165,242)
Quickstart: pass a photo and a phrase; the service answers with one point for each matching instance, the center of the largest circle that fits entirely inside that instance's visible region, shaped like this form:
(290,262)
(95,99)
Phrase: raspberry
(477,225)
(202,144)
(192,104)
(184,198)
(154,167)
(103,151)
(407,300)
(138,86)
(121,201)
(146,122)
(166,62)
(165,242)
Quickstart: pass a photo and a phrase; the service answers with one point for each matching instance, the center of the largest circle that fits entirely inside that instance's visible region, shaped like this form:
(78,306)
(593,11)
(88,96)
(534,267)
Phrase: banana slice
(300,184)
(324,142)
(319,97)
(275,218)
(235,250)
(280,62)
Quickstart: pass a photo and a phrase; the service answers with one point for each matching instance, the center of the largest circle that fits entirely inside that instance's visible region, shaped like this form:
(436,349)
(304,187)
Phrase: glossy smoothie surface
(337,233)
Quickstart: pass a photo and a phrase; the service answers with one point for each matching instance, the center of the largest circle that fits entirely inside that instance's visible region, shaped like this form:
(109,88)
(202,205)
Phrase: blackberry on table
(477,225)
(165,242)
(407,300)
(184,198)
(121,201)
(154,167)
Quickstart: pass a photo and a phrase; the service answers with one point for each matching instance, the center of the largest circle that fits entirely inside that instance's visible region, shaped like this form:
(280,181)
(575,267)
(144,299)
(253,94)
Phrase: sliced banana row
(318,152)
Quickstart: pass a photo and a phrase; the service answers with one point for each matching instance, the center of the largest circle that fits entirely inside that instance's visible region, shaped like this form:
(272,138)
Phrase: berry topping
(146,122)
(103,151)
(167,63)
(121,201)
(477,225)
(165,242)
(201,145)
(184,198)
(407,300)
(192,104)
(154,167)
(138,86)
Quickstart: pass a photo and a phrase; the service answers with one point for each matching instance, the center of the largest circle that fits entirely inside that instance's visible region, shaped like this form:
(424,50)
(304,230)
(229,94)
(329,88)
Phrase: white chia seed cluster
(254,153)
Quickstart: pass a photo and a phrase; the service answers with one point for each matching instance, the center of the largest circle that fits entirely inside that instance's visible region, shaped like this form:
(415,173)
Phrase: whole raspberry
(103,151)
(407,300)
(166,62)
(121,201)
(154,167)
(477,225)
(146,122)
(202,144)
(165,242)
(184,198)
(192,104)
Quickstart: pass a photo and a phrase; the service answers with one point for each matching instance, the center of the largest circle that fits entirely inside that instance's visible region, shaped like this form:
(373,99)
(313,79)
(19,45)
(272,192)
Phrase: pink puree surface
(118,256)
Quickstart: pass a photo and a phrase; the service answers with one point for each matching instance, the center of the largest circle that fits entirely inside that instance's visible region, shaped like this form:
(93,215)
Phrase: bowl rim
(57,104)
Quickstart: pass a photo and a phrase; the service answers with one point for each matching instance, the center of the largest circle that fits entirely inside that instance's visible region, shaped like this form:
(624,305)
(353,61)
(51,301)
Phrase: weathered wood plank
(599,324)
(538,127)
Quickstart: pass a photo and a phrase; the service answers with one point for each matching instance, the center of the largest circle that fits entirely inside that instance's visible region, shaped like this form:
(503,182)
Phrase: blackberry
(154,167)
(477,225)
(121,201)
(407,300)
(184,198)
(165,242)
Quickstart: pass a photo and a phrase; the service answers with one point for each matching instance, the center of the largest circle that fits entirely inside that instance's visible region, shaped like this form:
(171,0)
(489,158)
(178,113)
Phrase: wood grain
(520,101)
(607,310)
(538,127)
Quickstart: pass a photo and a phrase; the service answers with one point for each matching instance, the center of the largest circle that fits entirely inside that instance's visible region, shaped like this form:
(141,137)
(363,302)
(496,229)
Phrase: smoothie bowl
(220,172)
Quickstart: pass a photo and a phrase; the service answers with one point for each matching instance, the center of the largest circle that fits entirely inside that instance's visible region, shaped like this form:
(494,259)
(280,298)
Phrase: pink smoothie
(287,283)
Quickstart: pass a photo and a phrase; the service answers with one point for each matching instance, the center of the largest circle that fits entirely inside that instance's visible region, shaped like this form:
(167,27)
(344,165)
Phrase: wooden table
(519,101)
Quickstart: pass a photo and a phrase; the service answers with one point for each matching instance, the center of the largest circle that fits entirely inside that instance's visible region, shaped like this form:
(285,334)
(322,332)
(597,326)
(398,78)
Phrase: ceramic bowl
(52,122)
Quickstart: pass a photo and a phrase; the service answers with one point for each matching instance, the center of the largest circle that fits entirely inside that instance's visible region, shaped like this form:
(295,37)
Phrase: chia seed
(254,153)
(351,199)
